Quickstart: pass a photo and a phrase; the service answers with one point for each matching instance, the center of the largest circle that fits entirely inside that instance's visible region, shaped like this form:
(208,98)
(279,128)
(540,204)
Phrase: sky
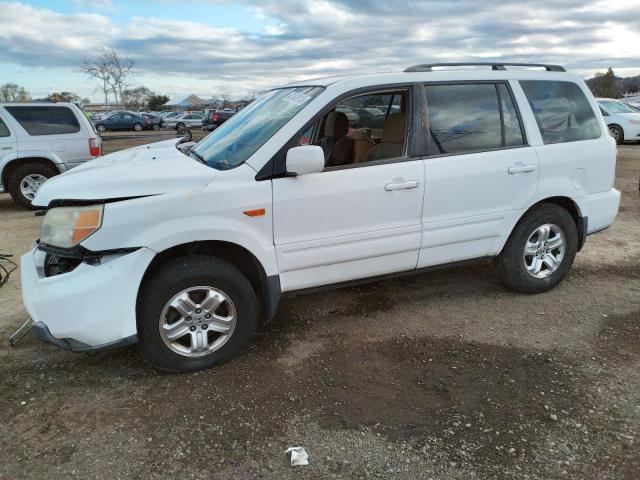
(215,47)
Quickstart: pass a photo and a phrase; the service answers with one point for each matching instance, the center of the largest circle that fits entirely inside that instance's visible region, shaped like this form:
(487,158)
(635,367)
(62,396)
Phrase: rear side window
(45,120)
(562,111)
(4,130)
(475,117)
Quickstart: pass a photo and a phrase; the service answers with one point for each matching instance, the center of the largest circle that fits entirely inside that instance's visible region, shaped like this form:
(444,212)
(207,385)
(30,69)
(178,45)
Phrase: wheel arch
(11,165)
(267,288)
(567,204)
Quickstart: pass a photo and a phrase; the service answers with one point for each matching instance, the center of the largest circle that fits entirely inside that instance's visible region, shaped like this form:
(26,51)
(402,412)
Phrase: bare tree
(99,69)
(11,92)
(120,72)
(136,97)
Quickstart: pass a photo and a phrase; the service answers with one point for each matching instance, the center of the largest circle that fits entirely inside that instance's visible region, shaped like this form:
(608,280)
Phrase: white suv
(40,140)
(183,252)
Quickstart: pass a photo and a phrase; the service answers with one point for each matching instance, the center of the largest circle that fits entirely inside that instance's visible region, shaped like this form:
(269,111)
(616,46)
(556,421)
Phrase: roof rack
(428,67)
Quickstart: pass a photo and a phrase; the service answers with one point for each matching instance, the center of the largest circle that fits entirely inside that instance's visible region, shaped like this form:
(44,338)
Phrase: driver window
(361,129)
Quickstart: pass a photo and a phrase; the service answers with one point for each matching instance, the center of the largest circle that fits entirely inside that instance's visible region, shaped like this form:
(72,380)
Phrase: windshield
(238,138)
(617,107)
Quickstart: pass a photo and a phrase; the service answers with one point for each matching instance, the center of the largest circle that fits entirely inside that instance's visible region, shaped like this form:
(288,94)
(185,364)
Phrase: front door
(360,218)
(480,174)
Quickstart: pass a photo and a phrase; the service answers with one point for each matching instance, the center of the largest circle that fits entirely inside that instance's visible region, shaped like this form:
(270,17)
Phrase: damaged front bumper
(83,304)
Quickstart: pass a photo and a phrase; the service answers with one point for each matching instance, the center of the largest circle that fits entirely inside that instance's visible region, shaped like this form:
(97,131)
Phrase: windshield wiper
(198,157)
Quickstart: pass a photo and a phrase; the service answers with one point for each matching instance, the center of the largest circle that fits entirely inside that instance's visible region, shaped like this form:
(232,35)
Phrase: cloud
(97,4)
(307,38)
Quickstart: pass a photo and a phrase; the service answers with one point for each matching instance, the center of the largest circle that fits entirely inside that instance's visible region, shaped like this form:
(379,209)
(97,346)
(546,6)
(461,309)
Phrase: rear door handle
(390,187)
(522,168)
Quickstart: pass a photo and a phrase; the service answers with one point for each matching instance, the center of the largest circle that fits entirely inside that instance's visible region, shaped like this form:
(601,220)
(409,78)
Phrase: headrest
(365,134)
(337,125)
(394,126)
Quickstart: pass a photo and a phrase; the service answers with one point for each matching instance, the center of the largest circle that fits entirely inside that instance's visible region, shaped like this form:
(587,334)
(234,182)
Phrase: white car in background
(623,121)
(633,101)
(185,120)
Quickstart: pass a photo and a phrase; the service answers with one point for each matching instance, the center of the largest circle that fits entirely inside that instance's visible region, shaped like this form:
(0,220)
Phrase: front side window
(45,120)
(242,135)
(562,111)
(363,128)
(4,130)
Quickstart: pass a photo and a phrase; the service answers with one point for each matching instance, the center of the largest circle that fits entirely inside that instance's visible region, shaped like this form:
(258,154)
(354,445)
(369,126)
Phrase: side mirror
(305,159)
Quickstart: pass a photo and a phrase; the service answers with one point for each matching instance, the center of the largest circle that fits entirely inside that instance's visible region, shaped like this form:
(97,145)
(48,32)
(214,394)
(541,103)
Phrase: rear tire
(26,179)
(137,127)
(527,250)
(617,133)
(195,273)
(101,128)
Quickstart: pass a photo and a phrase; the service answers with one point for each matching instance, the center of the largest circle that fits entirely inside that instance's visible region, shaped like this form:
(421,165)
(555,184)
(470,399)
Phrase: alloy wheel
(30,184)
(544,250)
(197,321)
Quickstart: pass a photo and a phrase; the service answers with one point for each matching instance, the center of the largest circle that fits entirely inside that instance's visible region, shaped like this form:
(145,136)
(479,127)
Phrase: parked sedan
(120,121)
(623,120)
(185,120)
(153,122)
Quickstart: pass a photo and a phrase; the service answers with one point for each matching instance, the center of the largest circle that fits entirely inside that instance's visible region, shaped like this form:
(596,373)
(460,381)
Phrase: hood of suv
(147,170)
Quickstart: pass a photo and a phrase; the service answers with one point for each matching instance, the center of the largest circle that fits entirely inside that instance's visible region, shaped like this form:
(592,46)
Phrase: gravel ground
(443,375)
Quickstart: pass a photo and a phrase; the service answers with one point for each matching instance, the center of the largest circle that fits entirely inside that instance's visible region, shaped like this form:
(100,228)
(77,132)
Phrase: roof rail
(428,67)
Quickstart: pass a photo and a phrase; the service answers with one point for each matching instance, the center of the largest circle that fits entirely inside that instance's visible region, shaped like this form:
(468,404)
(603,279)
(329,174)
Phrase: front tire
(540,250)
(196,312)
(25,181)
(137,127)
(617,133)
(101,128)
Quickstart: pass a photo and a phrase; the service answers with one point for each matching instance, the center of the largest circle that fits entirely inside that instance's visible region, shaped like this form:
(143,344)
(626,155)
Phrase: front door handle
(390,187)
(522,168)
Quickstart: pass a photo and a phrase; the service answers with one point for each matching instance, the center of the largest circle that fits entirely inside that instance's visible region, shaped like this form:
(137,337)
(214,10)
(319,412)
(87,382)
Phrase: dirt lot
(444,375)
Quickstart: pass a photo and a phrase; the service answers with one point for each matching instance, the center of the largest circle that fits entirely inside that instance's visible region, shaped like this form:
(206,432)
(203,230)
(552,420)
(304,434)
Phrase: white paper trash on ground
(298,456)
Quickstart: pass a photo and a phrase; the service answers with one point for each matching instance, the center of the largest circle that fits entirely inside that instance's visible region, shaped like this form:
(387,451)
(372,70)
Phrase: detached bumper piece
(44,334)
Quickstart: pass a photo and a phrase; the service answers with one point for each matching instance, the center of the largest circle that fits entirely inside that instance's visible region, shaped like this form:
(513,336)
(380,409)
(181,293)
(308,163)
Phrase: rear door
(481,172)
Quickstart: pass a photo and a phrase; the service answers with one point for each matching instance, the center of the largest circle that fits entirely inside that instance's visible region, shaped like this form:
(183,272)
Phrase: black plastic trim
(43,333)
(360,281)
(428,67)
(83,253)
(583,229)
(84,203)
(272,293)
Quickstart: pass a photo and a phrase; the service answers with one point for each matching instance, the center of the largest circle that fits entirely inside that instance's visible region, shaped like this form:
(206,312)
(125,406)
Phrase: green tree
(605,85)
(155,102)
(12,92)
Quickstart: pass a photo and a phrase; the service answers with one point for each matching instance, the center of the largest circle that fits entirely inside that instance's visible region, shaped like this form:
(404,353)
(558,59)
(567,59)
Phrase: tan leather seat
(392,144)
(337,147)
(363,142)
